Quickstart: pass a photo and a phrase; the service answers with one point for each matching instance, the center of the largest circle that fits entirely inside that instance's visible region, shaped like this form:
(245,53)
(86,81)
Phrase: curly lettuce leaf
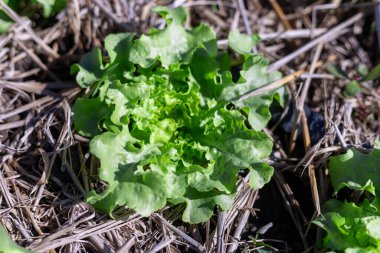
(351,227)
(172,45)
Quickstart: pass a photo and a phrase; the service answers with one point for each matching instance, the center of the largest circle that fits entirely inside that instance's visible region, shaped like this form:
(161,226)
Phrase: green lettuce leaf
(350,227)
(118,47)
(253,76)
(242,43)
(90,68)
(171,45)
(200,205)
(356,170)
(86,119)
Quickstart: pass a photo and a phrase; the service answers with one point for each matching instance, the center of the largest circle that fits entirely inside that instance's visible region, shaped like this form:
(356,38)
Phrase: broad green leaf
(223,175)
(260,174)
(204,69)
(8,246)
(90,68)
(118,46)
(242,43)
(200,205)
(356,170)
(87,114)
(251,78)
(257,107)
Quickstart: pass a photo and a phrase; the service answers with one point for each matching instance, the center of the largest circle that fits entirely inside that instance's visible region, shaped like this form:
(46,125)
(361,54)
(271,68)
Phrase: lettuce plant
(165,120)
(353,227)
